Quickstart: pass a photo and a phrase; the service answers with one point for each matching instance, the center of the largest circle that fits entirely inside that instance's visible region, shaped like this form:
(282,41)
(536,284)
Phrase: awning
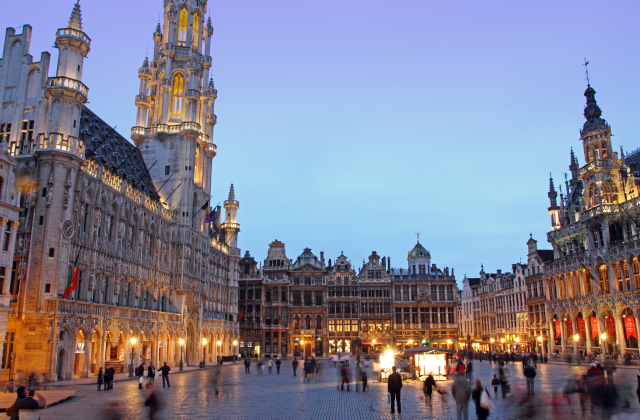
(369,341)
(426,349)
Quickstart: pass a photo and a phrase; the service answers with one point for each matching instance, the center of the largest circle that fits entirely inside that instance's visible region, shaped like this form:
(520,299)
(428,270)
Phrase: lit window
(178,85)
(195,33)
(182,27)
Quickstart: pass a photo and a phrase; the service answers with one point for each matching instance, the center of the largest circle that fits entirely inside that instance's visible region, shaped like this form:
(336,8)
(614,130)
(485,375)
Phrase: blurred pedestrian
(112,411)
(495,382)
(358,374)
(609,367)
(461,392)
(364,381)
(247,365)
(153,402)
(334,359)
(151,374)
(140,375)
(530,374)
(503,376)
(11,386)
(26,406)
(101,380)
(270,365)
(295,366)
(278,363)
(308,369)
(429,383)
(394,385)
(469,370)
(108,377)
(165,375)
(482,406)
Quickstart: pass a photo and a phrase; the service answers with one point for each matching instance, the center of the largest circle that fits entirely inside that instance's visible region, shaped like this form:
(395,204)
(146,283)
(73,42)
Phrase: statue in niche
(140,238)
(49,196)
(120,229)
(96,217)
(108,224)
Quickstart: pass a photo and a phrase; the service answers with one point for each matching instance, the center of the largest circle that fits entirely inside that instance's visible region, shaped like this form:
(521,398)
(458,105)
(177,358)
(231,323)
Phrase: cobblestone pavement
(240,396)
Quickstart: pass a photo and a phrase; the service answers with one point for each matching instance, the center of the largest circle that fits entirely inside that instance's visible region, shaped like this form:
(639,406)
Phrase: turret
(231,225)
(574,167)
(73,46)
(142,99)
(554,210)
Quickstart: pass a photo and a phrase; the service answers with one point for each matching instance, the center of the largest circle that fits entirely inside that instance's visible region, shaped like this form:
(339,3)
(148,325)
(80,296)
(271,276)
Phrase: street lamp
(576,337)
(204,344)
(133,341)
(181,341)
(603,336)
(235,352)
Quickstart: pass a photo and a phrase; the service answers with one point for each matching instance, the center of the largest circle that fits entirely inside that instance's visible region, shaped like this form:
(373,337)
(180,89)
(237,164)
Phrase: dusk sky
(351,125)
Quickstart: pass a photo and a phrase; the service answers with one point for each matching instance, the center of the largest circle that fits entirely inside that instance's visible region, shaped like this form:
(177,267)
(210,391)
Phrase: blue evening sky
(350,125)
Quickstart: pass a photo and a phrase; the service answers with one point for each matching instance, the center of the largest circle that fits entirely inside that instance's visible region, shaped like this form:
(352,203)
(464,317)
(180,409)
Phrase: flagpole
(208,198)
(581,263)
(165,201)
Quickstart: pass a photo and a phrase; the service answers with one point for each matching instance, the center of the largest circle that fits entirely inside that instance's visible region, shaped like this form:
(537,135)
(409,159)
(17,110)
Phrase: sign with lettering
(630,327)
(594,327)
(582,330)
(558,328)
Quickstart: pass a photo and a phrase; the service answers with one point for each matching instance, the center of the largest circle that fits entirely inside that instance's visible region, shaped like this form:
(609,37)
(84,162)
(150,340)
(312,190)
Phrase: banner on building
(611,326)
(558,328)
(582,329)
(594,327)
(569,325)
(630,327)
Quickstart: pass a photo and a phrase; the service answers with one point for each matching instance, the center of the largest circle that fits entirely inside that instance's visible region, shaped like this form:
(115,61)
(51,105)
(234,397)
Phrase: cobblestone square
(270,396)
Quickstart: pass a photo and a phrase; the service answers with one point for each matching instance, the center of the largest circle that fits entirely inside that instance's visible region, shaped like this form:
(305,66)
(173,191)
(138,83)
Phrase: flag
(205,207)
(72,281)
(210,217)
(241,313)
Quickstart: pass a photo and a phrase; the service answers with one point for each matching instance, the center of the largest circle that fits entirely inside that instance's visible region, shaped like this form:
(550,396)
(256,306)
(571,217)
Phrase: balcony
(55,142)
(166,129)
(142,100)
(601,164)
(74,34)
(68,84)
(70,307)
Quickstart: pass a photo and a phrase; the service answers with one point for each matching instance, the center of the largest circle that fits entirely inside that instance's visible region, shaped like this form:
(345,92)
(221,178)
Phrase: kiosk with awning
(428,360)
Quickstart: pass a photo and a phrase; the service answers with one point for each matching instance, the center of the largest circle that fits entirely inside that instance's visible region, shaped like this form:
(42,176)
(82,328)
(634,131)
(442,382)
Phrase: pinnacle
(75,21)
(232,194)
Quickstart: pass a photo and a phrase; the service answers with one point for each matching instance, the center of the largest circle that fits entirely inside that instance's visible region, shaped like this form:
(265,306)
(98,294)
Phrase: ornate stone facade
(152,265)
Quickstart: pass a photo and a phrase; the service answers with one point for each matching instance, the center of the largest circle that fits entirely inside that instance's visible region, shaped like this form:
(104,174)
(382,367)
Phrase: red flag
(611,327)
(558,328)
(594,327)
(569,325)
(582,330)
(630,327)
(72,281)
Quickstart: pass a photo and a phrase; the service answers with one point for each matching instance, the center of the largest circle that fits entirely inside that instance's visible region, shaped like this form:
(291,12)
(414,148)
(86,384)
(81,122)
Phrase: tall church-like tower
(175,104)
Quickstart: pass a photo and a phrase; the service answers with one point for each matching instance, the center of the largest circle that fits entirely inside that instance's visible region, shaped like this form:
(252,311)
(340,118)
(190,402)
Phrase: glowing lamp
(235,342)
(540,338)
(181,341)
(502,340)
(603,336)
(133,340)
(301,341)
(576,337)
(374,341)
(493,340)
(204,341)
(219,342)
(517,339)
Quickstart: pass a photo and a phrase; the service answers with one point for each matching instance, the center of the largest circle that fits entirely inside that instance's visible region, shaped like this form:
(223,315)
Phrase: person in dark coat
(24,402)
(481,412)
(295,366)
(151,374)
(108,377)
(165,374)
(101,380)
(140,375)
(153,402)
(394,385)
(429,383)
(247,365)
(278,363)
(638,389)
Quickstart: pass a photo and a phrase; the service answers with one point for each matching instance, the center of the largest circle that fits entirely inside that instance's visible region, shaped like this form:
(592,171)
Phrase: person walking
(530,374)
(140,375)
(101,380)
(334,359)
(469,370)
(495,382)
(358,374)
(461,392)
(504,379)
(394,385)
(308,369)
(151,374)
(609,367)
(278,363)
(295,366)
(247,365)
(270,365)
(153,402)
(481,412)
(165,375)
(429,383)
(344,373)
(10,386)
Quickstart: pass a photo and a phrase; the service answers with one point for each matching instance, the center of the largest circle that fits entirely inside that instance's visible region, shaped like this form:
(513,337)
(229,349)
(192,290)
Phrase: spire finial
(551,187)
(75,21)
(586,69)
(418,235)
(232,194)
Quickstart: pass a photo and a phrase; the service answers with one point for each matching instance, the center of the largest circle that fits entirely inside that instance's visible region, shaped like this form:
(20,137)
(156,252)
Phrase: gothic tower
(175,104)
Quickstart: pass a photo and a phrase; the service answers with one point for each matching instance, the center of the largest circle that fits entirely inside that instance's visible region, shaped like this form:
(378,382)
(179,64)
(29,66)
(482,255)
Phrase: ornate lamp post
(181,341)
(133,342)
(204,344)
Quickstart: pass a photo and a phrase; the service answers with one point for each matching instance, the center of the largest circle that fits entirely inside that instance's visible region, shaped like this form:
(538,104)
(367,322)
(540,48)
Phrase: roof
(419,251)
(114,152)
(473,281)
(546,255)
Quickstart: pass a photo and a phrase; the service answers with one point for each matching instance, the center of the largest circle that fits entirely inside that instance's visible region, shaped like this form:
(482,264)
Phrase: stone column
(620,336)
(588,338)
(574,323)
(602,327)
(87,356)
(563,332)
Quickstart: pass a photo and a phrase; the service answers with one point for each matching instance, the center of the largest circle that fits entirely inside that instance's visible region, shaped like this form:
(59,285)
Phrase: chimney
(499,271)
(322,257)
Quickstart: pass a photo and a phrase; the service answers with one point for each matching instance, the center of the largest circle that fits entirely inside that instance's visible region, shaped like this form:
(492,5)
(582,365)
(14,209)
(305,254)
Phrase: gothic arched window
(183,24)
(178,88)
(593,194)
(195,32)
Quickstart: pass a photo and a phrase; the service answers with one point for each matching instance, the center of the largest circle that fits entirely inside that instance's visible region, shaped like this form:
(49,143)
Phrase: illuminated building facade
(150,271)
(592,285)
(537,260)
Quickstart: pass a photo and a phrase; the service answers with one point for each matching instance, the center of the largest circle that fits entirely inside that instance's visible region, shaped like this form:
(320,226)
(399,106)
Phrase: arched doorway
(629,328)
(307,349)
(95,353)
(79,368)
(62,354)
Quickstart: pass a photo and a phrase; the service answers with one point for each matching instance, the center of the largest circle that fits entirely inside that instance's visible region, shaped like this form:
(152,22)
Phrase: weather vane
(586,69)
(418,235)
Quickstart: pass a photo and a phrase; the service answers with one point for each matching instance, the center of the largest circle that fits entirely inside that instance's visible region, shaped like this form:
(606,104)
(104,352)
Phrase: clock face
(67,229)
